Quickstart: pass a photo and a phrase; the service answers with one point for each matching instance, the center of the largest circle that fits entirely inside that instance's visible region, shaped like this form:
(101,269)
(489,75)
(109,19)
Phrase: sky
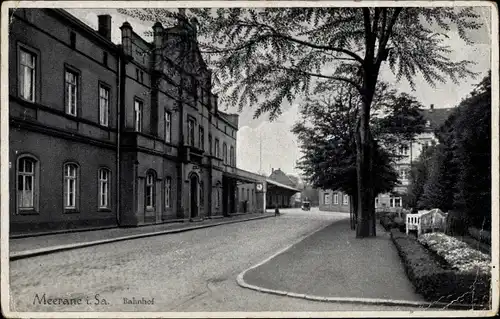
(264,145)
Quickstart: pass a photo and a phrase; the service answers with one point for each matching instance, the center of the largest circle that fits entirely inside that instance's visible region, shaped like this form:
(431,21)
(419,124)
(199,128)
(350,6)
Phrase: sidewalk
(332,263)
(32,246)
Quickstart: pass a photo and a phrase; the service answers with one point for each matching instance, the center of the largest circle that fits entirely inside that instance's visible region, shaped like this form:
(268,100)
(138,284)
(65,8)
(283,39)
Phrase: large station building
(105,135)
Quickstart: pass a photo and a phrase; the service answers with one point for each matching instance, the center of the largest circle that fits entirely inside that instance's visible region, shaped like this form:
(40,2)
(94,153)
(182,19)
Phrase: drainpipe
(118,139)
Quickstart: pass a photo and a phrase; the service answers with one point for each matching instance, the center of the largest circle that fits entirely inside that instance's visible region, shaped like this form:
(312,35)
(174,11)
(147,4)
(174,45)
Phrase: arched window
(27,181)
(150,190)
(168,192)
(70,186)
(104,194)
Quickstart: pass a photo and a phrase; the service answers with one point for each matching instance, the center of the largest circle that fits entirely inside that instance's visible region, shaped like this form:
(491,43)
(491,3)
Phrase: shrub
(387,223)
(436,283)
(456,223)
(483,236)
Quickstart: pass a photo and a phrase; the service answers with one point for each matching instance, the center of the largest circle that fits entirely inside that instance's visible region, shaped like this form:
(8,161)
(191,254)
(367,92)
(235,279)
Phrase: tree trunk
(364,154)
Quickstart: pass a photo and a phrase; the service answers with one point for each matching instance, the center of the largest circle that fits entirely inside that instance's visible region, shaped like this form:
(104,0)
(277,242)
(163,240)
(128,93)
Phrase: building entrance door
(194,195)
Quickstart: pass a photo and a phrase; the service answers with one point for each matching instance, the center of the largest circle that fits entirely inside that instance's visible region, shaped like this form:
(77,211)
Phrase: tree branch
(387,34)
(330,77)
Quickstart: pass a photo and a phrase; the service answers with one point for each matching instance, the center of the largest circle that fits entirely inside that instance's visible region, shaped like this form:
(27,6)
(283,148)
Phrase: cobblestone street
(191,271)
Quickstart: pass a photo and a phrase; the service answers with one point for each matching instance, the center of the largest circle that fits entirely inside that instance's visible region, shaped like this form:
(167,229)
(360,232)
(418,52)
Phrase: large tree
(265,56)
(456,174)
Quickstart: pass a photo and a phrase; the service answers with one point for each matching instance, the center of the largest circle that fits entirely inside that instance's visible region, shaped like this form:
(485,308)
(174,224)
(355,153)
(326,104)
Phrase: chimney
(104,28)
(158,45)
(127,38)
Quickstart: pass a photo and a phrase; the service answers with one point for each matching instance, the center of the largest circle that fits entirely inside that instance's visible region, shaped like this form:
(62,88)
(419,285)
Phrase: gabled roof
(270,181)
(436,117)
(280,176)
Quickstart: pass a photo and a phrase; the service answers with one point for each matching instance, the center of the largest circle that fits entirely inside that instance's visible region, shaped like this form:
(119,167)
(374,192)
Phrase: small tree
(266,56)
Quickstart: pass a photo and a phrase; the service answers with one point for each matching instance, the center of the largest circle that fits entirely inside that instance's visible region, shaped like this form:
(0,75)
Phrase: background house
(409,152)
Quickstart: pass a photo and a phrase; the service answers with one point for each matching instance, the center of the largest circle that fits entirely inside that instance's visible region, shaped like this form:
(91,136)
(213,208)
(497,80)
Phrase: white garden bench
(426,220)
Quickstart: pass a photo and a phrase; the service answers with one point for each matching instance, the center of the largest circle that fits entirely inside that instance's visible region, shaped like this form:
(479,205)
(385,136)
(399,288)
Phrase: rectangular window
(168,192)
(27,71)
(224,152)
(104,179)
(395,202)
(191,125)
(345,200)
(72,40)
(70,186)
(326,199)
(26,180)
(168,126)
(210,144)
(217,201)
(71,92)
(201,141)
(202,194)
(138,115)
(105,58)
(103,105)
(232,160)
(335,199)
(217,148)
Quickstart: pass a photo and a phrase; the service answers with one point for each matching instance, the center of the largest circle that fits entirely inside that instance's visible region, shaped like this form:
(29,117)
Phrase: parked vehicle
(306,205)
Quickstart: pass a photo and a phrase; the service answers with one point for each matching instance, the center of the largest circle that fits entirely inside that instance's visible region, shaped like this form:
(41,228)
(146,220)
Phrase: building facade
(282,190)
(334,201)
(116,135)
(63,97)
(409,153)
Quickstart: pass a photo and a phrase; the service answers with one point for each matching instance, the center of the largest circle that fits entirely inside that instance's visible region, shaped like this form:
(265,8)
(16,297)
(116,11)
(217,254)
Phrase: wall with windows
(247,198)
(388,202)
(43,52)
(47,195)
(63,98)
(335,201)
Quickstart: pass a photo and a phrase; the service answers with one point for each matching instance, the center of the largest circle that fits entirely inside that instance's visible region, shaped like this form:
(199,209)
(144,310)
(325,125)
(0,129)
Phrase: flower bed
(436,283)
(456,253)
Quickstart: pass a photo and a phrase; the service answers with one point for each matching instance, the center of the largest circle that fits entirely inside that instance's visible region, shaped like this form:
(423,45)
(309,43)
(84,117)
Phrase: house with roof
(410,152)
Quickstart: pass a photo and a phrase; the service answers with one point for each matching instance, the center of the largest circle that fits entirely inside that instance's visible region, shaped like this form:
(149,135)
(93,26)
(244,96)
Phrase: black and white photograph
(249,159)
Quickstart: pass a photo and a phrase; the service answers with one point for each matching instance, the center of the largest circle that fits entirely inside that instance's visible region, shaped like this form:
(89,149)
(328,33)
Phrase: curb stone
(370,301)
(53,249)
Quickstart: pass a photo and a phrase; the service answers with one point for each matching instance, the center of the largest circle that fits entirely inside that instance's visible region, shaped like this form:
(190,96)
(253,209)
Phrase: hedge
(434,281)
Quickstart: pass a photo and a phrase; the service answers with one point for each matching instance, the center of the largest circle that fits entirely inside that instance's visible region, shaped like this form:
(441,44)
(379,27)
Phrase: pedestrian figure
(276,211)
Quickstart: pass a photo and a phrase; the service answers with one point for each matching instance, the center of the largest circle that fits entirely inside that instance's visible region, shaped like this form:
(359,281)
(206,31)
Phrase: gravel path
(333,263)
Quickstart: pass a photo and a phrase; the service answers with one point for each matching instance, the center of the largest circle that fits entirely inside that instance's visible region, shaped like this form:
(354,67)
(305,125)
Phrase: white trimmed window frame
(104,188)
(27,182)
(150,190)
(70,185)
(104,102)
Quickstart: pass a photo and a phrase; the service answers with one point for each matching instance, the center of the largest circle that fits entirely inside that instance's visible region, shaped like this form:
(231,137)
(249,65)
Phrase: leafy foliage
(457,173)
(265,56)
(326,132)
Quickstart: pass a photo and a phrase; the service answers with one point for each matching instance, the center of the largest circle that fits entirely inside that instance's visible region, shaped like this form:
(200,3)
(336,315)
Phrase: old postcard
(249,159)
